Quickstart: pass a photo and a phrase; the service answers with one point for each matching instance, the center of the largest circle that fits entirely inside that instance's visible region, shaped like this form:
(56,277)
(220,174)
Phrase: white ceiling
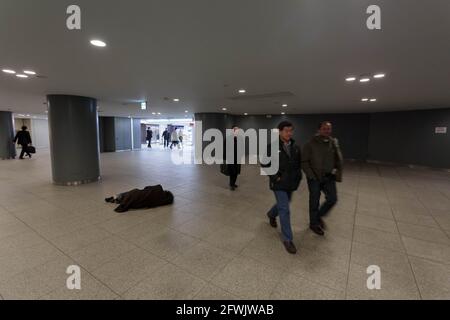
(203,51)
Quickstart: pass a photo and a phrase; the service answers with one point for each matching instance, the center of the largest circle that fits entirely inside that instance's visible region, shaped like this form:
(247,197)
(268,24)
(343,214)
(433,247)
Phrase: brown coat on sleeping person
(149,197)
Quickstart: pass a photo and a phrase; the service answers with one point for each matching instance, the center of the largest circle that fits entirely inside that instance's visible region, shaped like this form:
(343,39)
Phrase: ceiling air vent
(272,95)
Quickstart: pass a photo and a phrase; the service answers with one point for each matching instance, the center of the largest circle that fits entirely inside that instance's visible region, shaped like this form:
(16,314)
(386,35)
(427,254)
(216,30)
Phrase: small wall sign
(440,130)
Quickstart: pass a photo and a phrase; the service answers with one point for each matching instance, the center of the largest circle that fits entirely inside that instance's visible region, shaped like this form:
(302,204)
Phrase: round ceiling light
(98,43)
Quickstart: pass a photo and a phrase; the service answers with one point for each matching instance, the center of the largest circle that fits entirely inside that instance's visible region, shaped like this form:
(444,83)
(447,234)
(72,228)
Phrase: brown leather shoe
(322,224)
(290,247)
(317,230)
(272,221)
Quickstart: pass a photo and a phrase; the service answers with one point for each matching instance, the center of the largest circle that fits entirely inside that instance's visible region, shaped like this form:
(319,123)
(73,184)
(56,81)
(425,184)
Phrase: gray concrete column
(74,142)
(7,148)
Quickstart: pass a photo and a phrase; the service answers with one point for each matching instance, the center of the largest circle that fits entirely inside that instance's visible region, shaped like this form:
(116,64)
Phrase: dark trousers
(281,209)
(24,150)
(149,143)
(233,178)
(166,143)
(327,185)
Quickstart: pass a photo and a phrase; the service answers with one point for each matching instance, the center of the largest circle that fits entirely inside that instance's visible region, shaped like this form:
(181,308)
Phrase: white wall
(39,133)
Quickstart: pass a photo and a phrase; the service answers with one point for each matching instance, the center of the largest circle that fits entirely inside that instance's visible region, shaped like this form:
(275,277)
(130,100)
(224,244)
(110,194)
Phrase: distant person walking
(233,169)
(149,137)
(285,182)
(23,138)
(180,137)
(174,138)
(166,138)
(322,163)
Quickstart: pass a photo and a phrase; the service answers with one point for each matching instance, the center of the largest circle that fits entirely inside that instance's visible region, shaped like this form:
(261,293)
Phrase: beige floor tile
(388,260)
(423,233)
(211,292)
(230,239)
(99,253)
(377,238)
(168,283)
(128,269)
(432,278)
(376,223)
(91,289)
(203,260)
(428,250)
(81,238)
(36,282)
(394,286)
(299,288)
(248,279)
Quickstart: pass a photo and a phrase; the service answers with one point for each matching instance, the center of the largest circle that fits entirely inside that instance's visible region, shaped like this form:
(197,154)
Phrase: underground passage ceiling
(239,57)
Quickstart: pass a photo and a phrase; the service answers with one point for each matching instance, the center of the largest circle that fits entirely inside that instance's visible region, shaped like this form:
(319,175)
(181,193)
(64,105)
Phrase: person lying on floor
(149,197)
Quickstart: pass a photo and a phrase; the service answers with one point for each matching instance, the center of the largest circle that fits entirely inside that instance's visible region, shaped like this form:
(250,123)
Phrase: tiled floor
(217,244)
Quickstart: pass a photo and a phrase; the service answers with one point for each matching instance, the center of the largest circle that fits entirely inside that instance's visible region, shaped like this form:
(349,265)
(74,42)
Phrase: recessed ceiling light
(224,109)
(284,105)
(242,91)
(283,113)
(176,100)
(379,75)
(373,100)
(29,72)
(28,115)
(159,113)
(365,79)
(144,105)
(246,114)
(350,79)
(365,99)
(21,76)
(98,43)
(186,111)
(9,71)
(153,113)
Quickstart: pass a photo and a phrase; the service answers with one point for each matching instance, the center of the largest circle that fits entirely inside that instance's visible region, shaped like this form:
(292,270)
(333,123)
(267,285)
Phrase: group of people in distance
(171,139)
(320,160)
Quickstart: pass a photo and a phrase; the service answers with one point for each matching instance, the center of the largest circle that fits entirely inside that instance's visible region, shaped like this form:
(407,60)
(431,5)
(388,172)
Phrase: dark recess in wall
(406,137)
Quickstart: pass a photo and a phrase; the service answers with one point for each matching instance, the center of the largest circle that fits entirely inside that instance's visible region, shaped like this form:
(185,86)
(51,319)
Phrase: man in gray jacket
(322,163)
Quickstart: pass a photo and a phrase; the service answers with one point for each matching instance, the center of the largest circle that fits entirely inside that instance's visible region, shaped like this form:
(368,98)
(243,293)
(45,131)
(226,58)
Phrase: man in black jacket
(24,139)
(284,182)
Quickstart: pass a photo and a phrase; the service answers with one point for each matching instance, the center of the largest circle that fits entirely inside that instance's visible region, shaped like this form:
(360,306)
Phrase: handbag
(31,149)
(224,169)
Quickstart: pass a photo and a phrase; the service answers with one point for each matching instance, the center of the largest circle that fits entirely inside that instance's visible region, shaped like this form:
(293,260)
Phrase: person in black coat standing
(166,137)
(234,168)
(24,139)
(149,137)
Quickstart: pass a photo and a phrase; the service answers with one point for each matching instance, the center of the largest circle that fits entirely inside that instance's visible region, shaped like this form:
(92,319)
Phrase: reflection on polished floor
(216,244)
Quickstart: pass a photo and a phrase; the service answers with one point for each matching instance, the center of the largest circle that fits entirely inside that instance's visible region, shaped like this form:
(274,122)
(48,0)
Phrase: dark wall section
(351,129)
(410,138)
(406,137)
(107,134)
(115,134)
(137,134)
(123,134)
(7,148)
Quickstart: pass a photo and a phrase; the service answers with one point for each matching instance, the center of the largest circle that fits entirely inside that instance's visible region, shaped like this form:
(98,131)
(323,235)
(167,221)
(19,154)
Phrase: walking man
(24,139)
(322,163)
(166,137)
(285,182)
